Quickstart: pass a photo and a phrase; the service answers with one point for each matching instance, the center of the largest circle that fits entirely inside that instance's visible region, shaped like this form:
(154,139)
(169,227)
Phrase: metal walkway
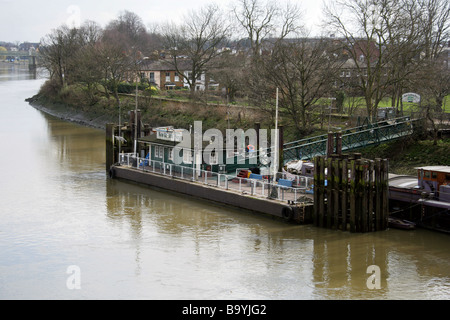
(358,137)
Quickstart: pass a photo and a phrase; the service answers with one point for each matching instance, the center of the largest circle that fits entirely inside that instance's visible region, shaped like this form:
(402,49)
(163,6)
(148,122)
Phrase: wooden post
(356,194)
(316,190)
(344,194)
(110,159)
(378,202)
(352,195)
(321,187)
(370,195)
(364,197)
(385,191)
(330,144)
(339,143)
(336,188)
(330,183)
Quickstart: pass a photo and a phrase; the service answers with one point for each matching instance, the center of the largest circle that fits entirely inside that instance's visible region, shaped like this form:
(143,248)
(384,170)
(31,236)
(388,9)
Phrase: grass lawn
(405,155)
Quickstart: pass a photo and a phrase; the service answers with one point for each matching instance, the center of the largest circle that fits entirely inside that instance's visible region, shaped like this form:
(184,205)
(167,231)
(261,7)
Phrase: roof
(153,139)
(445,169)
(164,65)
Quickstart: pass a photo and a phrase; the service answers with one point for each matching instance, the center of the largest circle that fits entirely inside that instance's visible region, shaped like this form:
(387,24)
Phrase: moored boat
(401,224)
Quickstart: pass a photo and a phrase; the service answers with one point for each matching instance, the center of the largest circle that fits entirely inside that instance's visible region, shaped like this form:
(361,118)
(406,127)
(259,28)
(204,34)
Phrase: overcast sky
(30,20)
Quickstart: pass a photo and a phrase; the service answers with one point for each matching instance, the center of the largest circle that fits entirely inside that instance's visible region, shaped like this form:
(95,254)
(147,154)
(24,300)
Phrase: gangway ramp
(354,138)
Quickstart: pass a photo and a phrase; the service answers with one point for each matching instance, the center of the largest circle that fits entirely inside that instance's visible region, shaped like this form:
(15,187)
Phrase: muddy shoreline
(65,112)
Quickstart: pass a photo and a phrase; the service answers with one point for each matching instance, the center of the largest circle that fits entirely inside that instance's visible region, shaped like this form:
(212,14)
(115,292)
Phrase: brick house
(162,74)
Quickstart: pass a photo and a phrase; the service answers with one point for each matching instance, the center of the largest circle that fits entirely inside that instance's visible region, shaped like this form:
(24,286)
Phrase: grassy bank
(406,154)
(75,103)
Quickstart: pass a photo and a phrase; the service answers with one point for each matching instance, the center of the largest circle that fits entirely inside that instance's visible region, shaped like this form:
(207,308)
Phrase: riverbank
(73,105)
(85,116)
(406,154)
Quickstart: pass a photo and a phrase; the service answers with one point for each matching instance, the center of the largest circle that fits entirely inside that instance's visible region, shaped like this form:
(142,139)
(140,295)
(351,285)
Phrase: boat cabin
(164,142)
(434,179)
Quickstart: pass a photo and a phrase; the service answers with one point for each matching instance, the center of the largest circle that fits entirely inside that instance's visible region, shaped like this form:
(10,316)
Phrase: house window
(342,74)
(167,76)
(159,152)
(152,77)
(348,74)
(177,78)
(170,156)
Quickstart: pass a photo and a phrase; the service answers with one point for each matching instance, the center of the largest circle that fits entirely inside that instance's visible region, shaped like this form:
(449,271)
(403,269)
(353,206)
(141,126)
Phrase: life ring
(287,213)
(250,148)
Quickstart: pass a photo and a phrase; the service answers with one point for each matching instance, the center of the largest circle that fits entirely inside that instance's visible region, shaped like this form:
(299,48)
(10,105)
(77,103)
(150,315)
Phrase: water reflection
(11,71)
(271,259)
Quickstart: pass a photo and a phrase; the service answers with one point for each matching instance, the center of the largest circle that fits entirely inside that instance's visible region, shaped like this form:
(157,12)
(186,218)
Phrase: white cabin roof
(445,169)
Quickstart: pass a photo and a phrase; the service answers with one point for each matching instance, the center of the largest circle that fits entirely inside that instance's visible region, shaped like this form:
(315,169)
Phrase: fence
(254,187)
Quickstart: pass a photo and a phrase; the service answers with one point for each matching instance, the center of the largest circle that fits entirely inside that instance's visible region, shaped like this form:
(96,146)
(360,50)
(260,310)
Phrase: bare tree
(303,70)
(435,23)
(229,72)
(132,29)
(263,20)
(194,44)
(58,50)
(113,62)
(363,26)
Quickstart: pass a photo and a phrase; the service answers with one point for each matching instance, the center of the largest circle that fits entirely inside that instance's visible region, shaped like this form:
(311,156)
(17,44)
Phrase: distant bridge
(351,139)
(16,56)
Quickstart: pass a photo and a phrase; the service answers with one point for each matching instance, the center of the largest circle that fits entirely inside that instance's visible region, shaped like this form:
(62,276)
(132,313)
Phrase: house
(164,75)
(161,74)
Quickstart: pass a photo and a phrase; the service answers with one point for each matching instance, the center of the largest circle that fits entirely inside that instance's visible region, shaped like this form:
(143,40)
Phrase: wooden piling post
(378,202)
(110,159)
(339,143)
(329,178)
(316,191)
(344,197)
(370,195)
(356,193)
(321,193)
(352,195)
(330,144)
(385,191)
(364,214)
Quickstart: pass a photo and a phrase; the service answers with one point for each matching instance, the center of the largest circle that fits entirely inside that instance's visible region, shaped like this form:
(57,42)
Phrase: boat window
(447,177)
(434,175)
(427,174)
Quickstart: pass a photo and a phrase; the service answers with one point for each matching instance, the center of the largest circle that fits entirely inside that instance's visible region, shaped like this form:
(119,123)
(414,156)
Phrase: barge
(240,184)
(424,199)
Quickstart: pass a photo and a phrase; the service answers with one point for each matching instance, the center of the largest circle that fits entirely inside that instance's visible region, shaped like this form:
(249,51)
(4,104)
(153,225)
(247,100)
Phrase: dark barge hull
(291,213)
(425,213)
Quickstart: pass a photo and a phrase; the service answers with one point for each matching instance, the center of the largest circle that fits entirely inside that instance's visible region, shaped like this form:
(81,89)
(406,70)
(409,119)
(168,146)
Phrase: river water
(69,232)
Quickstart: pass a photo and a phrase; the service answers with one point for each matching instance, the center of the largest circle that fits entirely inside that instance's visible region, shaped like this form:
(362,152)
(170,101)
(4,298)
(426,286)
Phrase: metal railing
(352,139)
(253,187)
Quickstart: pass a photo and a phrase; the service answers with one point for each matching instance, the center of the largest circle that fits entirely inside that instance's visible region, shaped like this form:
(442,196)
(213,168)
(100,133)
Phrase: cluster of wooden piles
(351,193)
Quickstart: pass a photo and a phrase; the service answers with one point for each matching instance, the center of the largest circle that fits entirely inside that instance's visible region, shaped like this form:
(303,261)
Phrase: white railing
(254,187)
